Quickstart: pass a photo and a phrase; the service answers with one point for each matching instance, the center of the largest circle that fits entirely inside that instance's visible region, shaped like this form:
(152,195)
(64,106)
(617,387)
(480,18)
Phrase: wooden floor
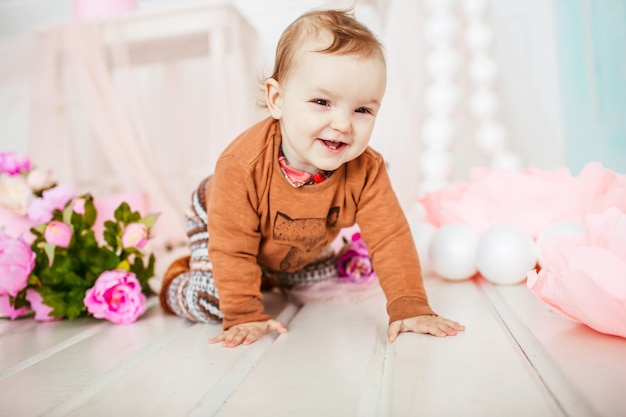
(516,358)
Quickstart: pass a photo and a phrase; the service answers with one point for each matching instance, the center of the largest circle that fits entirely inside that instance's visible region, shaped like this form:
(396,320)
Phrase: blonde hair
(349,37)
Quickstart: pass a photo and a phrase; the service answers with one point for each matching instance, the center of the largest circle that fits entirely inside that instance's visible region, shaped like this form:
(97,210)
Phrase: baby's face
(327,107)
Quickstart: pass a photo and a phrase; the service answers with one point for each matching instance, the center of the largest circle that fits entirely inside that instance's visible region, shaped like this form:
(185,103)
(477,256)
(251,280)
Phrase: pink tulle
(584,277)
(530,200)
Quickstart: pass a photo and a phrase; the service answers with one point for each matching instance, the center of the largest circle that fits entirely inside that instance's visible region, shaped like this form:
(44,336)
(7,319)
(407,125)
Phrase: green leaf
(39,229)
(75,303)
(67,213)
(54,300)
(125,265)
(90,211)
(150,219)
(48,249)
(112,234)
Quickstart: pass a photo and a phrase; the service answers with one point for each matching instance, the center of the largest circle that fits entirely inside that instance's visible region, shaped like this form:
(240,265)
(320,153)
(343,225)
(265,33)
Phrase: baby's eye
(321,102)
(363,110)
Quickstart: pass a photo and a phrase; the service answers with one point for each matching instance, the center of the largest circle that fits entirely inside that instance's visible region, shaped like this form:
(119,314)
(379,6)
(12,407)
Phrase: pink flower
(135,235)
(354,263)
(58,234)
(40,210)
(13,163)
(42,311)
(7,310)
(58,196)
(116,296)
(78,205)
(17,261)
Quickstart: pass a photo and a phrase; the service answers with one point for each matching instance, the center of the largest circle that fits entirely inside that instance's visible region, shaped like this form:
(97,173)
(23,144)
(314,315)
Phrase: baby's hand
(248,333)
(435,325)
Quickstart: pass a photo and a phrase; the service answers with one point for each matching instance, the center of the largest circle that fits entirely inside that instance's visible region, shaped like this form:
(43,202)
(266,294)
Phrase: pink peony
(7,310)
(13,163)
(17,261)
(354,263)
(58,196)
(78,205)
(42,311)
(58,234)
(135,235)
(116,296)
(40,210)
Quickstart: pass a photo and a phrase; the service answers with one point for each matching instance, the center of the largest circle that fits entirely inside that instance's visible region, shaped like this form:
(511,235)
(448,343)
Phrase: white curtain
(143,104)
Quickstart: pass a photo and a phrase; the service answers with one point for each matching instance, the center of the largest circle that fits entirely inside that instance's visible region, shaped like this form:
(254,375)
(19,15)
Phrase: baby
(282,191)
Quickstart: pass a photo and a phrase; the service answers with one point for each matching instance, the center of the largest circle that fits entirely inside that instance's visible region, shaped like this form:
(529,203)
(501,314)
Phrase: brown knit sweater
(257,219)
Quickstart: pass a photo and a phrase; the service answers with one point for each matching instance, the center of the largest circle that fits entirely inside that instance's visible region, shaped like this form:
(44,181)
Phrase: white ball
(441,97)
(506,160)
(452,252)
(483,70)
(441,28)
(438,132)
(428,185)
(422,235)
(505,254)
(491,137)
(478,37)
(442,62)
(569,229)
(475,7)
(435,163)
(484,104)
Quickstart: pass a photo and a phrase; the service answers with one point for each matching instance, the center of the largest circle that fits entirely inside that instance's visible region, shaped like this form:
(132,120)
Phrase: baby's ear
(274,98)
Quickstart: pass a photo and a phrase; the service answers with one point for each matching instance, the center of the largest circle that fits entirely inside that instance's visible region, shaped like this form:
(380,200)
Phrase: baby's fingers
(443,327)
(394,330)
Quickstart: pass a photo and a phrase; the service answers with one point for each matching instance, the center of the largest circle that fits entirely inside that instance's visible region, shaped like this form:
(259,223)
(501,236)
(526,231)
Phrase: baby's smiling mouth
(333,144)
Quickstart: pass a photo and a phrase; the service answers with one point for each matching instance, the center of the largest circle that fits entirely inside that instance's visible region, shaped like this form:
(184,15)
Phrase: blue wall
(591,36)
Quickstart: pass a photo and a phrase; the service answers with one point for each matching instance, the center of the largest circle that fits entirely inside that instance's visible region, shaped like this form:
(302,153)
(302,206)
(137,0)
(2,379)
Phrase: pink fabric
(584,278)
(89,9)
(530,200)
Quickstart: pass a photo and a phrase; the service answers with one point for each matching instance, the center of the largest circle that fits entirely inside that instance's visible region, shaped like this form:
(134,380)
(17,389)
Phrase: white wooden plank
(83,366)
(185,374)
(585,369)
(480,372)
(320,367)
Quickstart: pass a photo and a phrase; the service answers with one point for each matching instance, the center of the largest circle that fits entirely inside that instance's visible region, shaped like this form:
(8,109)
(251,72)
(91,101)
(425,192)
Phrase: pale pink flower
(58,196)
(116,296)
(135,235)
(39,179)
(78,205)
(58,234)
(15,194)
(42,311)
(41,209)
(7,310)
(17,261)
(14,163)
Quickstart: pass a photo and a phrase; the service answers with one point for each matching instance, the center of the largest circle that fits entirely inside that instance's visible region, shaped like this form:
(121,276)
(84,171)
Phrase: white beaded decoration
(442,95)
(483,102)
